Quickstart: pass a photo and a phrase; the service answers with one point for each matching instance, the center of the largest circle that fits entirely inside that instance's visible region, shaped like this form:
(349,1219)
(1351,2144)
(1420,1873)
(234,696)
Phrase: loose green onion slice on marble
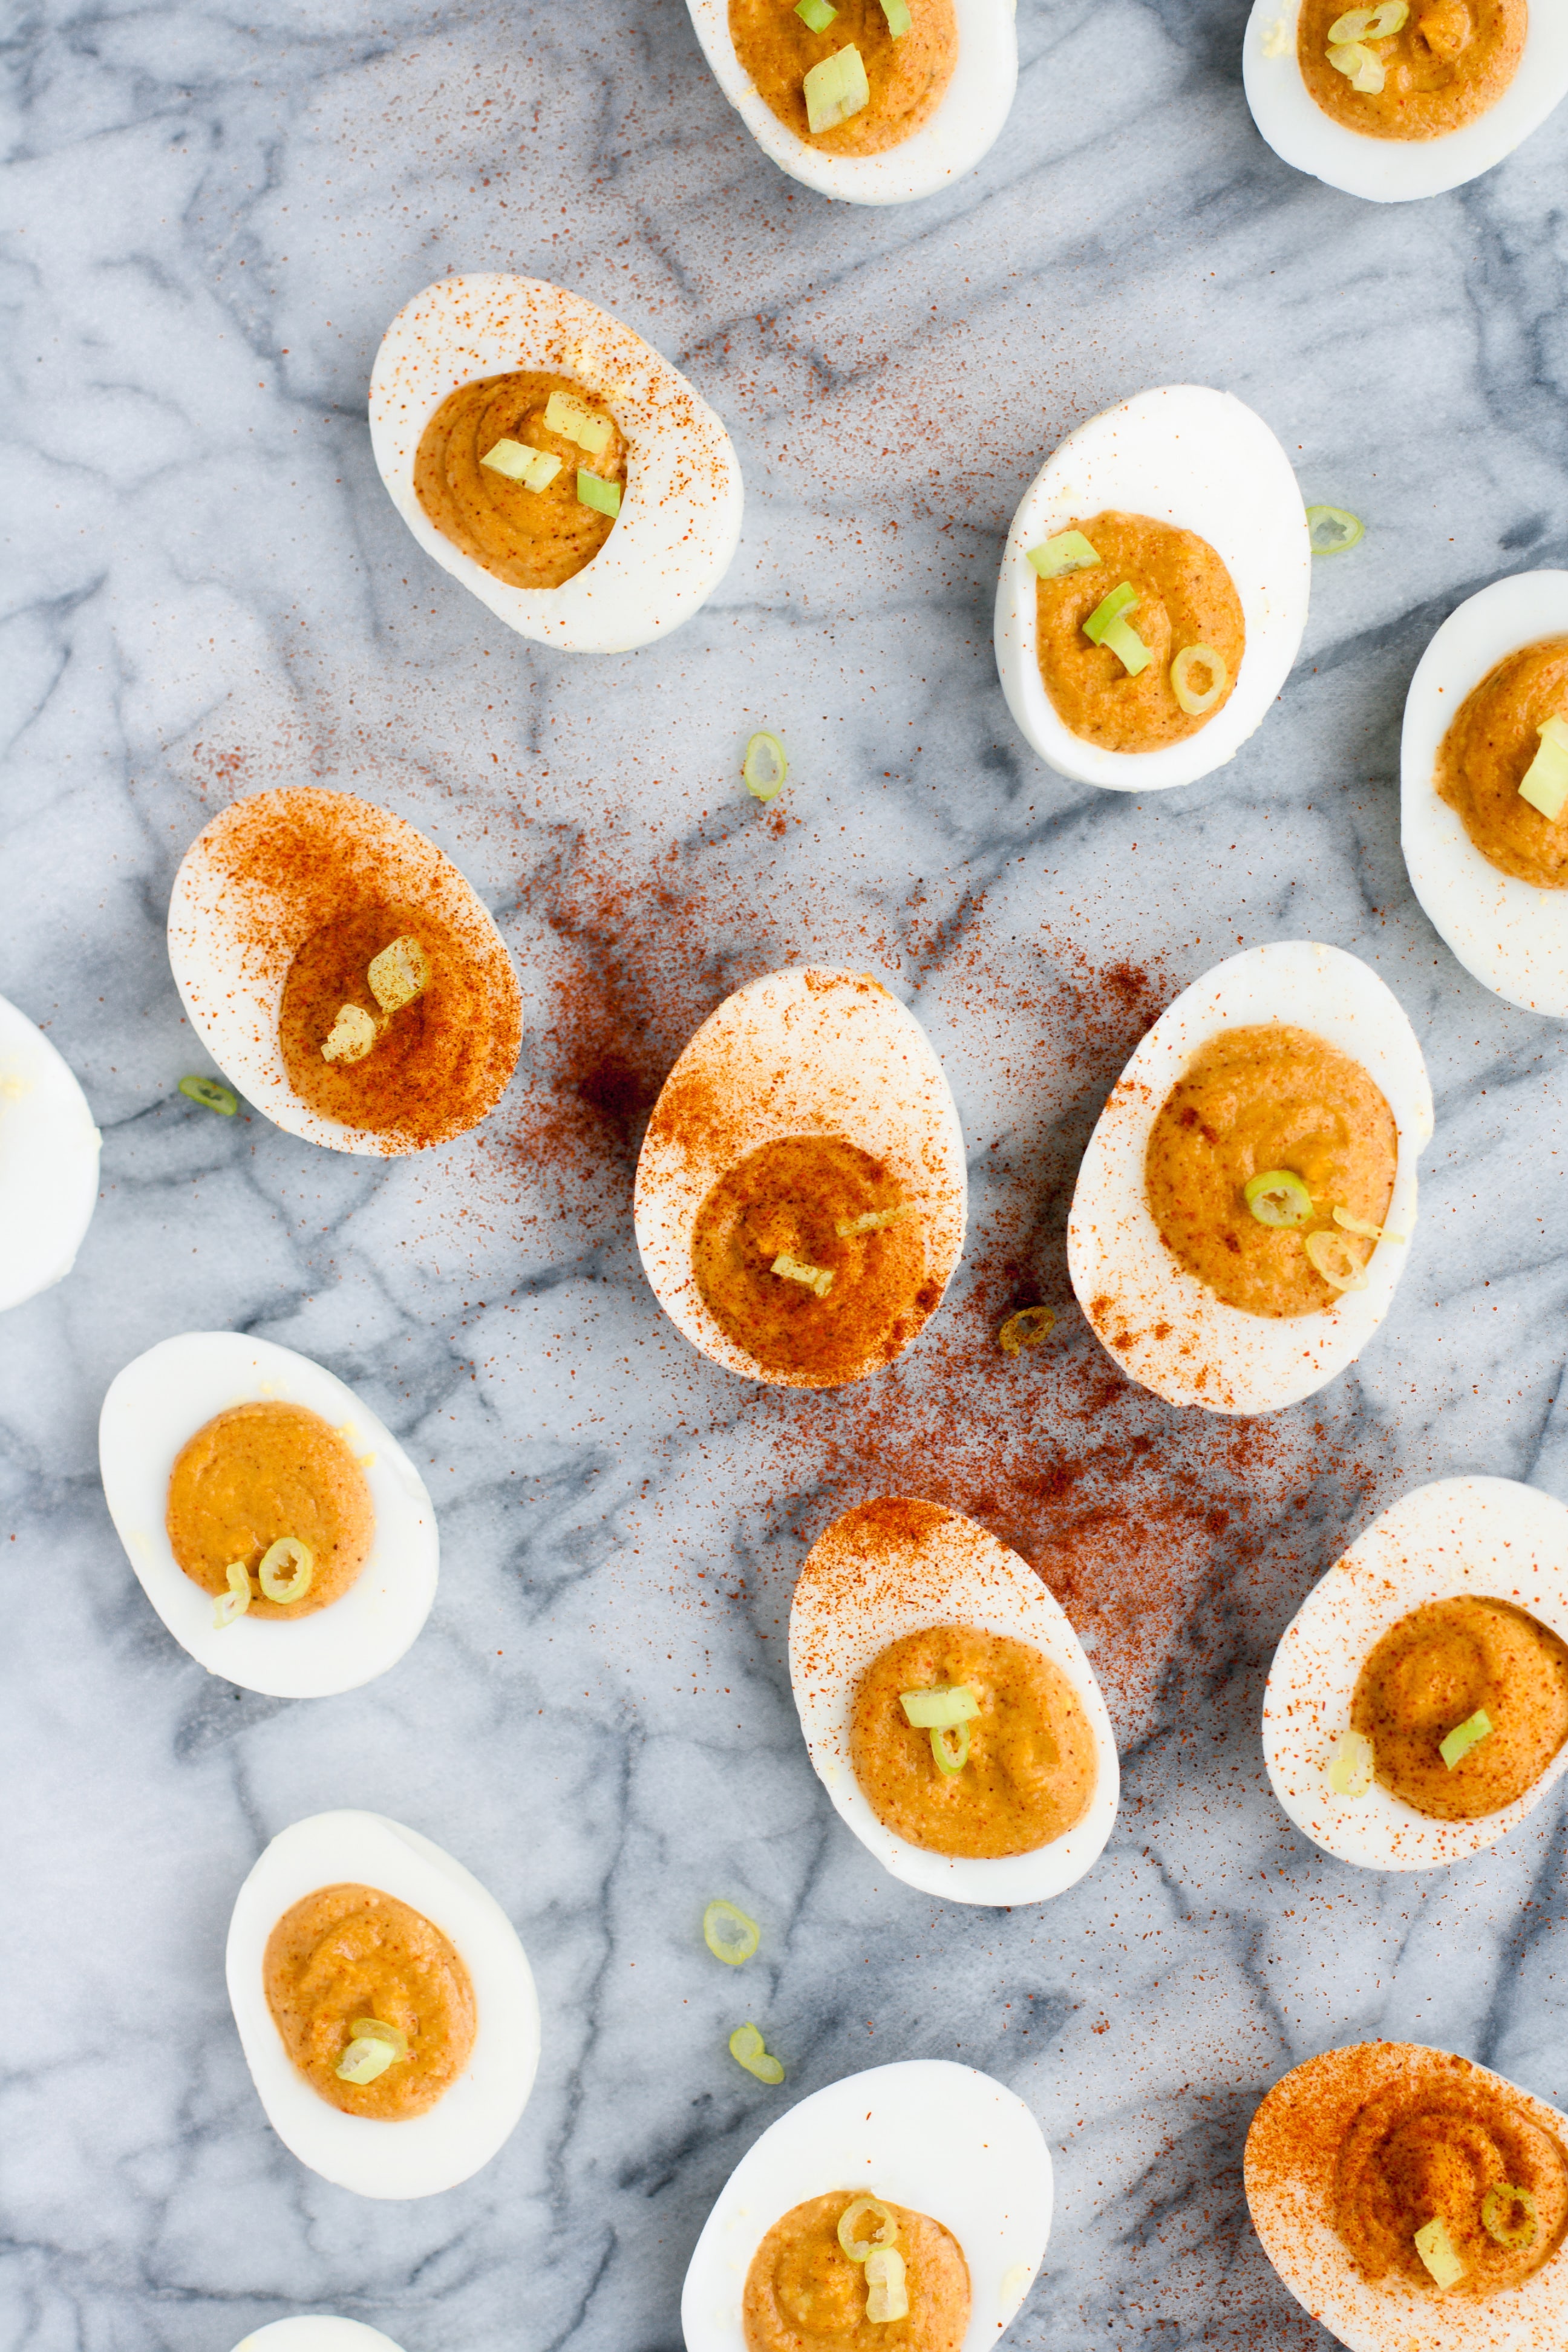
(1464,1736)
(1330,530)
(729,1935)
(748,2048)
(1197,701)
(366,2057)
(1351,1765)
(1499,2207)
(815,15)
(940,1708)
(852,2220)
(1370,24)
(887,2296)
(1026,1329)
(836,89)
(815,1277)
(574,422)
(237,1599)
(1121,599)
(951,1760)
(1360,69)
(1359,1225)
(372,2029)
(288,1570)
(897,12)
(1067,551)
(1436,2249)
(1545,784)
(1277,1196)
(520,461)
(593,490)
(1331,1256)
(210,1095)
(765,766)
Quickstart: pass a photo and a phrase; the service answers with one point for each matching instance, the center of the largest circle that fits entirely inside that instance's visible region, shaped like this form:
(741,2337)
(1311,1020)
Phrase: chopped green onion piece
(1332,1256)
(593,490)
(897,12)
(815,15)
(398,974)
(747,2050)
(288,1568)
(1121,600)
(1436,2249)
(351,1035)
(1026,1329)
(951,1760)
(1123,640)
(366,2057)
(520,461)
(1199,701)
(237,1599)
(939,1709)
(1464,1736)
(1359,1225)
(1069,552)
(211,1096)
(1545,784)
(765,767)
(815,1277)
(576,422)
(850,2222)
(1497,2207)
(1361,70)
(836,89)
(1330,530)
(875,1220)
(1351,1766)
(371,2029)
(729,1935)
(887,2296)
(1370,24)
(1278,1197)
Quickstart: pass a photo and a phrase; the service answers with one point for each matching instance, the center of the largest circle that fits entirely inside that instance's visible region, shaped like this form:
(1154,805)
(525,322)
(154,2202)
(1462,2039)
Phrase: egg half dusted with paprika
(49,1161)
(915,2197)
(801,1191)
(1247,1199)
(948,1705)
(553,462)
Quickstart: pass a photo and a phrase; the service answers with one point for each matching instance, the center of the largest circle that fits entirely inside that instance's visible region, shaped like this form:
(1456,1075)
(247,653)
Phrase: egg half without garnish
(918,2193)
(1154,591)
(553,462)
(1417,1704)
(342,972)
(801,1189)
(385,2007)
(49,1161)
(274,1522)
(317,2331)
(873,101)
(1405,98)
(1414,2201)
(1484,787)
(948,1705)
(1248,1198)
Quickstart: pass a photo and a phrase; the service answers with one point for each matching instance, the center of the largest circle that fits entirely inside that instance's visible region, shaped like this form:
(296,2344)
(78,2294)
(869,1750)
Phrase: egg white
(801,1051)
(680,522)
(232,988)
(155,1406)
(1214,1355)
(1511,935)
(317,2331)
(49,1161)
(420,2155)
(965,128)
(940,2138)
(1489,1536)
(1199,460)
(1391,170)
(1312,2108)
(859,1592)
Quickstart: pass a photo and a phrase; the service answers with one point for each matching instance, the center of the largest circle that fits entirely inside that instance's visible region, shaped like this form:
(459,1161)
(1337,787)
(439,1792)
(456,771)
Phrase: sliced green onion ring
(1370,24)
(1330,530)
(1197,702)
(1361,68)
(1436,2249)
(1464,1736)
(593,490)
(1026,1328)
(765,767)
(1121,599)
(748,2050)
(1359,1225)
(211,1094)
(1352,1765)
(288,1570)
(237,1599)
(850,2222)
(1499,2203)
(886,2295)
(1067,551)
(951,1760)
(1331,1256)
(1277,1196)
(836,89)
(938,1708)
(366,2057)
(729,1935)
(815,15)
(373,2029)
(897,12)
(1545,783)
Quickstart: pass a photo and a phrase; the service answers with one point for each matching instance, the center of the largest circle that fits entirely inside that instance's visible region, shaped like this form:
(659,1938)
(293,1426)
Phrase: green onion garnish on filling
(815,1277)
(1107,625)
(1026,1329)
(897,12)
(1359,1225)
(1121,600)
(1545,784)
(1196,700)
(372,2029)
(237,1599)
(815,15)
(1360,69)
(887,2296)
(520,461)
(836,89)
(398,974)
(367,2056)
(1069,552)
(951,1760)
(351,1035)
(1436,2249)
(1351,1766)
(748,2050)
(941,1707)
(574,422)
(1499,2207)
(1122,640)
(1464,1736)
(211,1096)
(851,2220)
(288,1570)
(1278,1197)
(593,490)
(1330,530)
(765,767)
(1332,1256)
(875,1221)
(729,1935)
(1370,24)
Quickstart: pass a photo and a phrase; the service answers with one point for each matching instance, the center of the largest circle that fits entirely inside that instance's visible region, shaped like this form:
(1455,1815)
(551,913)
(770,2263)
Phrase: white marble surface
(211,219)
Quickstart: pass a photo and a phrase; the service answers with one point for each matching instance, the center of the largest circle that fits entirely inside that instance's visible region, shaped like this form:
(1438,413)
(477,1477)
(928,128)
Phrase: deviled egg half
(948,1705)
(385,2007)
(918,2193)
(1246,1205)
(801,1189)
(1484,786)
(1418,1705)
(273,1520)
(873,101)
(342,972)
(1154,591)
(1405,98)
(553,462)
(1413,2201)
(49,1161)
(316,2331)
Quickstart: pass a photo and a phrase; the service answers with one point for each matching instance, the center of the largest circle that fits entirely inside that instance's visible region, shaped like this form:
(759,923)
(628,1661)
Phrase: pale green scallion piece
(288,1570)
(1196,700)
(852,2218)
(1351,1766)
(375,2029)
(1464,1736)
(1332,1256)
(815,15)
(593,490)
(1107,625)
(1545,784)
(237,1599)
(1370,24)
(951,1760)
(729,1935)
(1330,530)
(1277,1196)
(1359,1225)
(211,1096)
(1067,551)
(815,1277)
(897,12)
(765,766)
(520,461)
(1436,2249)
(939,1709)
(1362,69)
(748,2048)
(1499,2207)
(576,422)
(367,2056)
(836,89)
(886,2295)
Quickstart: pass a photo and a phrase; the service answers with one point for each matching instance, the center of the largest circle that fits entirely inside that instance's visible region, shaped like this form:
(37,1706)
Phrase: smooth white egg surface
(420,2155)
(237,916)
(866,1583)
(799,1052)
(1487,1536)
(1511,934)
(1389,171)
(1165,1329)
(1289,2169)
(964,127)
(49,1161)
(941,2139)
(680,522)
(1199,460)
(317,2331)
(160,1401)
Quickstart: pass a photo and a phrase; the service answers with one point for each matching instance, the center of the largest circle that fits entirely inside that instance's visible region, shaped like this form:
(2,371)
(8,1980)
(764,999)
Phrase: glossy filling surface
(1449,62)
(530,538)
(908,78)
(1434,1671)
(1491,742)
(255,1473)
(803,2294)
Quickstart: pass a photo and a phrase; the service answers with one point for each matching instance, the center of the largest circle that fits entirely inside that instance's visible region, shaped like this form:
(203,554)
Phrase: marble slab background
(210,220)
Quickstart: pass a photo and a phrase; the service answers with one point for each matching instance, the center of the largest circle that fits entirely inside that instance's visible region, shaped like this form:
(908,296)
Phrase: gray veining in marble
(210,219)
